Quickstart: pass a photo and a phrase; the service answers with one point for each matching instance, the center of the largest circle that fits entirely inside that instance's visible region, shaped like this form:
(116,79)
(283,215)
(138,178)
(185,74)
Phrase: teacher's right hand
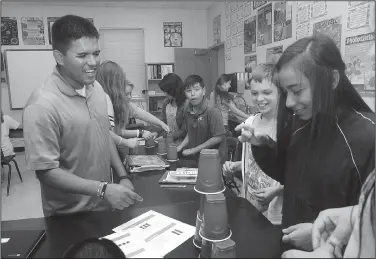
(248,134)
(120,197)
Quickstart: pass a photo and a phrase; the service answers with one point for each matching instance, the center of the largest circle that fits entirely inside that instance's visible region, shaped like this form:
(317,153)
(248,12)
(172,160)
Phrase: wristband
(124,177)
(103,190)
(99,189)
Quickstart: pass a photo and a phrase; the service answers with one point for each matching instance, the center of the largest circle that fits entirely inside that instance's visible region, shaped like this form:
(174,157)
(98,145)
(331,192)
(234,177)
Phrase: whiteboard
(26,71)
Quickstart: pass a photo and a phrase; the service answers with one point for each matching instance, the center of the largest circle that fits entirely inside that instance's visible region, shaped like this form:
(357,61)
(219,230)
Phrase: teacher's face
(81,61)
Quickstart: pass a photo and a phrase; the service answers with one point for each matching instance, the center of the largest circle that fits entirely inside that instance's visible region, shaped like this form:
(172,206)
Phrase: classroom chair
(6,161)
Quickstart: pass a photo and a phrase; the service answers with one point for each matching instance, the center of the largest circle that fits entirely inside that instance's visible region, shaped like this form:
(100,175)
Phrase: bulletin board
(26,70)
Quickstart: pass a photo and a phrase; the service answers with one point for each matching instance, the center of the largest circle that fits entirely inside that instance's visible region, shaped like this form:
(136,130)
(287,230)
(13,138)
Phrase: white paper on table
(4,240)
(161,234)
(131,245)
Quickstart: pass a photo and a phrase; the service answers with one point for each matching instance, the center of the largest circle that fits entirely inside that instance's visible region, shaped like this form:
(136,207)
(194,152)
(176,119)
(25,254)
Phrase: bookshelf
(155,72)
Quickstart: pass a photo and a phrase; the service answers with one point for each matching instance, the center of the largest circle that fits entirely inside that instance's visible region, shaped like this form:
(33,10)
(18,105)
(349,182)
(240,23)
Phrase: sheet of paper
(159,234)
(4,240)
(131,245)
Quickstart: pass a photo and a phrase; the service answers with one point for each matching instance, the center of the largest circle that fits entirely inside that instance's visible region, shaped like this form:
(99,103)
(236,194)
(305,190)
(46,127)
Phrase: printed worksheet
(132,246)
(159,234)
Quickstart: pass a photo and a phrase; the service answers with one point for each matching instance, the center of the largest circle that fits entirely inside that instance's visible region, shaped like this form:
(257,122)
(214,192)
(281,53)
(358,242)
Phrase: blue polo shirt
(204,125)
(63,129)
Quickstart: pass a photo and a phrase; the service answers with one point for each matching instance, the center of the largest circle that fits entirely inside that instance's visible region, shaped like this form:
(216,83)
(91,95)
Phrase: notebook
(180,176)
(142,163)
(20,244)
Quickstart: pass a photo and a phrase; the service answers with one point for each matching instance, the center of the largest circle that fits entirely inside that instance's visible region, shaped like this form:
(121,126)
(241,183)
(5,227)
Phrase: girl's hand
(266,195)
(147,135)
(228,169)
(248,134)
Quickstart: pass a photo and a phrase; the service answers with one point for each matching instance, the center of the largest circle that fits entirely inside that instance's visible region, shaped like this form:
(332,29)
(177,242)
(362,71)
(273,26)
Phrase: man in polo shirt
(66,129)
(204,123)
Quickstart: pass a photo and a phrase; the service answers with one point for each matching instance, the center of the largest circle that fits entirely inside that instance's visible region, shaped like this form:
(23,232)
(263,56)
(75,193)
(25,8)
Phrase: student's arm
(207,144)
(13,124)
(118,166)
(141,114)
(231,105)
(184,143)
(123,142)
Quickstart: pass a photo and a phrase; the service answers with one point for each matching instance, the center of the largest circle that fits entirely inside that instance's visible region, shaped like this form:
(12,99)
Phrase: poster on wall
(32,30)
(352,4)
(173,34)
(240,39)
(234,28)
(3,80)
(217,30)
(331,27)
(250,35)
(228,8)
(257,4)
(9,31)
(358,17)
(303,30)
(234,41)
(250,63)
(360,69)
(264,25)
(282,21)
(50,22)
(303,14)
(319,8)
(228,54)
(273,54)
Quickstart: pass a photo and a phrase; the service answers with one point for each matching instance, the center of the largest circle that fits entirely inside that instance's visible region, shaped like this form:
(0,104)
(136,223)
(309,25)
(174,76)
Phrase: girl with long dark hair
(173,106)
(224,101)
(325,146)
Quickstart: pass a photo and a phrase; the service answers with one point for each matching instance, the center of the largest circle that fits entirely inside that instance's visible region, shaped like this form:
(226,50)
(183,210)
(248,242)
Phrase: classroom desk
(254,235)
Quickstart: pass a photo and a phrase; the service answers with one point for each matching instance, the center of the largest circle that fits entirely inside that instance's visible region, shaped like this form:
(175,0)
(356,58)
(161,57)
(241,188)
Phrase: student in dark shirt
(203,123)
(325,145)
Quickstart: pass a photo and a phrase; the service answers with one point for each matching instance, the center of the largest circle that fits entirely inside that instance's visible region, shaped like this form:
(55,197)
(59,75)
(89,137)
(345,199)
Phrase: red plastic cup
(202,202)
(224,249)
(172,152)
(216,227)
(170,138)
(150,143)
(197,239)
(162,147)
(209,178)
(206,249)
(140,149)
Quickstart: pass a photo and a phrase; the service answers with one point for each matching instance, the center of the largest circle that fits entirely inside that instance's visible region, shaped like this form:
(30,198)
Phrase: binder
(20,244)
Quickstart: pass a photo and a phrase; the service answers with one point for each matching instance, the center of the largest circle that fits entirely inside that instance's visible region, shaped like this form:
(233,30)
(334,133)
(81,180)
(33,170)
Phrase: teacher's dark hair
(94,248)
(69,28)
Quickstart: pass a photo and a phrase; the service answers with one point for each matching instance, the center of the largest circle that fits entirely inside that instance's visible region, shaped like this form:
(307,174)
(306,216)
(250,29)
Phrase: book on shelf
(158,71)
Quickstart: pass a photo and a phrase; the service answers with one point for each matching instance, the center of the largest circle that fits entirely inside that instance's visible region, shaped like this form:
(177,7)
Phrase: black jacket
(331,178)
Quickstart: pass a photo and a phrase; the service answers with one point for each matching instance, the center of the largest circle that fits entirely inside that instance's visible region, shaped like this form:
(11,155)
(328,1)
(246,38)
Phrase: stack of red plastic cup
(212,221)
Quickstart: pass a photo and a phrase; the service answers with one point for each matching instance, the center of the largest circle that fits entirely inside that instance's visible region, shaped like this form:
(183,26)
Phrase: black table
(254,235)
